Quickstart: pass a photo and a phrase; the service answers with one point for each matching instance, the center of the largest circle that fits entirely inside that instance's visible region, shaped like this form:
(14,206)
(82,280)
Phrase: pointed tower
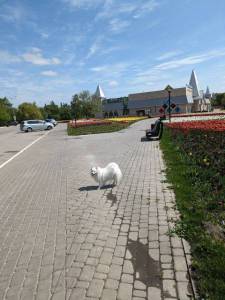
(99,92)
(194,84)
(207,93)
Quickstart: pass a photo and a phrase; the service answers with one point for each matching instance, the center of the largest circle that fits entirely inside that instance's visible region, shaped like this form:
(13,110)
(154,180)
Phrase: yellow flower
(119,119)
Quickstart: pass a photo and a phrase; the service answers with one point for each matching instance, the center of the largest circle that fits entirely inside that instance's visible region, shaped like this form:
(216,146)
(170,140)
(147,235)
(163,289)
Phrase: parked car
(32,125)
(53,121)
(8,123)
(12,123)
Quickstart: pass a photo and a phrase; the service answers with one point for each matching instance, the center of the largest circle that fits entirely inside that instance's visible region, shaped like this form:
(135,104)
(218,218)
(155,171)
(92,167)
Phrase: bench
(156,131)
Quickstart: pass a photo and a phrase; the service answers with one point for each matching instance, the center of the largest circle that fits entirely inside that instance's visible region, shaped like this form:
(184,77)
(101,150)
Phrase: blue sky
(50,50)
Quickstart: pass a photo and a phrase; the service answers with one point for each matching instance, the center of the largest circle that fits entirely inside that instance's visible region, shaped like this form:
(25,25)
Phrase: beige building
(150,103)
(183,100)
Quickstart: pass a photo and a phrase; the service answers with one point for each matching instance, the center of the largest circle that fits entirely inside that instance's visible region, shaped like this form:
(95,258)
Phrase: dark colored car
(8,123)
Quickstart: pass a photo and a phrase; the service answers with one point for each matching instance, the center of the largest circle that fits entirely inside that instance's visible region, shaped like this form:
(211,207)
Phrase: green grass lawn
(195,166)
(94,129)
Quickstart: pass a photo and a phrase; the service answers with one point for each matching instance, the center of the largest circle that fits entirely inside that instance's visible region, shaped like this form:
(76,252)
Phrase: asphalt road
(12,140)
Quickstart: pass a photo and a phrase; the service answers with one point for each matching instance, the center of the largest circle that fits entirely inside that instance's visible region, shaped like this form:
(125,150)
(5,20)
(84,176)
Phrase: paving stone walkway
(61,238)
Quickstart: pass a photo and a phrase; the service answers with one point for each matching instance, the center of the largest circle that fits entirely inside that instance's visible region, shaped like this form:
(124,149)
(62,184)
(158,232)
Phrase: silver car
(32,125)
(53,121)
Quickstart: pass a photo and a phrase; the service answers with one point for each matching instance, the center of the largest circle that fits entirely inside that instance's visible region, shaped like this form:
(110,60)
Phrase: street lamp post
(169,90)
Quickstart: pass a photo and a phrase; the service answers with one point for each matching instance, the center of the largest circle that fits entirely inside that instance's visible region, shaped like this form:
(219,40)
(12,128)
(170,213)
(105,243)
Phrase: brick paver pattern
(61,238)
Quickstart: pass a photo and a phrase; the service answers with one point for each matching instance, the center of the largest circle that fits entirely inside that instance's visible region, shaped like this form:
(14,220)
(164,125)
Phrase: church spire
(194,84)
(207,93)
(99,92)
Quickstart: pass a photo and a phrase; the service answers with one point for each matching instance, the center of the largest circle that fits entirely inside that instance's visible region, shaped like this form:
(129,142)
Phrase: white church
(185,100)
(201,99)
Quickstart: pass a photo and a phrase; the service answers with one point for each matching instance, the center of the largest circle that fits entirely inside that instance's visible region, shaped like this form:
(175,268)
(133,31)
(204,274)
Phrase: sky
(51,50)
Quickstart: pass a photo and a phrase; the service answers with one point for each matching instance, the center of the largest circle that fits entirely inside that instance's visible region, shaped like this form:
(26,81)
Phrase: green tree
(219,100)
(65,111)
(5,102)
(52,110)
(43,112)
(4,114)
(87,109)
(7,111)
(28,111)
(85,96)
(96,104)
(125,106)
(223,101)
(76,107)
(85,105)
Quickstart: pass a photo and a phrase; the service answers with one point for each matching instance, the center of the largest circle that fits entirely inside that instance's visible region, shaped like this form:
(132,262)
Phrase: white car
(32,125)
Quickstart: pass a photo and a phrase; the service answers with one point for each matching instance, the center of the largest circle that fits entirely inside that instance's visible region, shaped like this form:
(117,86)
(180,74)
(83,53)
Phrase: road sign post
(169,89)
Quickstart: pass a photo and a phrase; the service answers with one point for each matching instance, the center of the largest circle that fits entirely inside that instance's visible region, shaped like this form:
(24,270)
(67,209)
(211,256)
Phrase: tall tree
(7,112)
(28,111)
(5,102)
(52,110)
(65,111)
(76,107)
(4,114)
(85,96)
(96,104)
(87,109)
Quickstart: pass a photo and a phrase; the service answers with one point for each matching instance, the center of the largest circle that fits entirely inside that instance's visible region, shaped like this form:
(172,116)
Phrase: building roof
(194,84)
(157,94)
(208,93)
(99,92)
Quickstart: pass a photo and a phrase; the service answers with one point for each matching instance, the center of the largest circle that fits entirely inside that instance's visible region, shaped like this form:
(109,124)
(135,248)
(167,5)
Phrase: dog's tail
(119,176)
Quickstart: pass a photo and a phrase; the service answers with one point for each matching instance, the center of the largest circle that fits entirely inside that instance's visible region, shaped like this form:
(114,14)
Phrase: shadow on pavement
(95,187)
(112,197)
(147,270)
(144,139)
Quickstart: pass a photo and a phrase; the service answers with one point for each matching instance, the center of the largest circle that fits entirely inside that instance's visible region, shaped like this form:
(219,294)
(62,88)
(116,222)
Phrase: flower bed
(197,115)
(88,122)
(206,125)
(126,119)
(195,159)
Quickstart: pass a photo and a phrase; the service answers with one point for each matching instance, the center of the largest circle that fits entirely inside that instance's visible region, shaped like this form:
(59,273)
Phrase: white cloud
(111,71)
(145,7)
(135,9)
(7,58)
(85,4)
(190,60)
(169,54)
(49,73)
(35,57)
(99,69)
(12,13)
(113,83)
(118,25)
(96,46)
(159,75)
(44,35)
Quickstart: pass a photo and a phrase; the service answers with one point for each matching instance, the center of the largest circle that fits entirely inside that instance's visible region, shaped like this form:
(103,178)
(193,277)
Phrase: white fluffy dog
(111,173)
